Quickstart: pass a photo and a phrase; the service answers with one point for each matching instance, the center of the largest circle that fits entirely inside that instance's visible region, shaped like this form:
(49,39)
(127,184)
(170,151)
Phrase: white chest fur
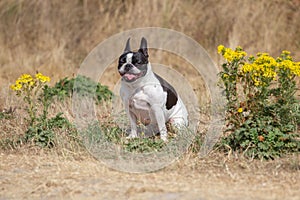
(142,100)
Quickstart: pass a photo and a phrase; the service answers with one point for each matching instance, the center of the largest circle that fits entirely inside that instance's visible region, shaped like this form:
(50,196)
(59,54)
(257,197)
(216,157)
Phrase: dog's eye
(137,61)
(122,60)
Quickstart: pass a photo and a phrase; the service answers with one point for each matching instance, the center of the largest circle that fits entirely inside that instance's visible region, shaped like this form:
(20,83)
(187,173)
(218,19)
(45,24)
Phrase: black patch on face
(138,60)
(122,59)
(172,96)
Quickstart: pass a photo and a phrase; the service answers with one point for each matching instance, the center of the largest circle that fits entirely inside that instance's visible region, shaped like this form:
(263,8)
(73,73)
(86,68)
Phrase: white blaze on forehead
(129,57)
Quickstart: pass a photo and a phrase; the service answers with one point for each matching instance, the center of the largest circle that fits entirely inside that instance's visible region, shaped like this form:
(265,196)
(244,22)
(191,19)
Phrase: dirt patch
(30,175)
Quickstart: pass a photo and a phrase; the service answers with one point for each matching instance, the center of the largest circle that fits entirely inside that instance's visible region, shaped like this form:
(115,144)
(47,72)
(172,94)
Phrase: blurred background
(54,37)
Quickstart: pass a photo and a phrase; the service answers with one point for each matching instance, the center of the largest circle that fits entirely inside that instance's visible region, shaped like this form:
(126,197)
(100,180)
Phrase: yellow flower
(247,68)
(225,75)
(25,78)
(240,110)
(221,48)
(231,55)
(296,69)
(228,55)
(26,81)
(263,66)
(257,82)
(269,73)
(285,52)
(16,87)
(42,78)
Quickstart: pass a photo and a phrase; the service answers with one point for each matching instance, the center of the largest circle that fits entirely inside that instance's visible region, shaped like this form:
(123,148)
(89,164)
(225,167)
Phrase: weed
(7,113)
(138,145)
(38,96)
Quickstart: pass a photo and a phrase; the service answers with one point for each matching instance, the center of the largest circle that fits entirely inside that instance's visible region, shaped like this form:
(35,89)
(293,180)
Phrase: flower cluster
(231,55)
(23,80)
(285,62)
(264,68)
(26,81)
(42,78)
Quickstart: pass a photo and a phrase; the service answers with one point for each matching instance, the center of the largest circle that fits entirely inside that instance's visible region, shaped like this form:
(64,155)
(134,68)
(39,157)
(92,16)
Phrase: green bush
(83,86)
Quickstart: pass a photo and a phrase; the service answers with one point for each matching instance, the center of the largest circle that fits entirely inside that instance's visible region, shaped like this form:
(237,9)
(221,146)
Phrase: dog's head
(133,65)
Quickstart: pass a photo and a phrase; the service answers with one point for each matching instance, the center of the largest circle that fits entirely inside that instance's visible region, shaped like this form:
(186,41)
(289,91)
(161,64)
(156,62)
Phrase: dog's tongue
(129,76)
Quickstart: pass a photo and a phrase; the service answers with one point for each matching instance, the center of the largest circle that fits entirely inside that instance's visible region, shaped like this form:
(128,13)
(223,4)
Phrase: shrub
(262,112)
(83,86)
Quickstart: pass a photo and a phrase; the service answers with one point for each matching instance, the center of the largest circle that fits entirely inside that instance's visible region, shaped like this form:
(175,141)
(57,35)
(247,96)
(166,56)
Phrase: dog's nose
(127,67)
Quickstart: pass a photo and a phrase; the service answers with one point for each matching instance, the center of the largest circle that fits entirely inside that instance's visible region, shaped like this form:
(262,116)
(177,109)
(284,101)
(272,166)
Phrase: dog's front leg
(160,119)
(133,125)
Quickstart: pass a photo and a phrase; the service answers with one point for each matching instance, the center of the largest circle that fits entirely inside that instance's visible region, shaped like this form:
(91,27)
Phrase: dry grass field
(53,37)
(40,175)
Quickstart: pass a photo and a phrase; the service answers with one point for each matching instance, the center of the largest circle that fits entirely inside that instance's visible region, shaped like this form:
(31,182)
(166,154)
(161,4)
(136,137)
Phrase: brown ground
(28,175)
(53,37)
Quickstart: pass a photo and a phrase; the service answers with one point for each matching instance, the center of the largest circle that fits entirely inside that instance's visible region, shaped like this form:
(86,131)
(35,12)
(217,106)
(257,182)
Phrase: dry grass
(53,37)
(46,175)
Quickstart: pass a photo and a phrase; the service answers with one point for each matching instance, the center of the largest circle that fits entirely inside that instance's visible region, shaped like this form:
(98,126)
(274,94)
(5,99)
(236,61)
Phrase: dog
(148,99)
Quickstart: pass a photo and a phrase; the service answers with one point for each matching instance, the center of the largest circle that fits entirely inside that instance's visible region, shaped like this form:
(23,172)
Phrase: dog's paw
(164,137)
(131,136)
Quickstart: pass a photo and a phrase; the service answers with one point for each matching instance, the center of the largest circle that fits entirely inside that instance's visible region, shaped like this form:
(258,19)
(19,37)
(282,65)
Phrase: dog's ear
(143,47)
(127,47)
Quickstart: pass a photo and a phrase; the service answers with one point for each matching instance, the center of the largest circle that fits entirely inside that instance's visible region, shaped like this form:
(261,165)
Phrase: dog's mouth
(131,77)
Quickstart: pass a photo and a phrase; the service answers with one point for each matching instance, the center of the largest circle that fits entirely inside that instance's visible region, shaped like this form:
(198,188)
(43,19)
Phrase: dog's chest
(139,105)
(141,99)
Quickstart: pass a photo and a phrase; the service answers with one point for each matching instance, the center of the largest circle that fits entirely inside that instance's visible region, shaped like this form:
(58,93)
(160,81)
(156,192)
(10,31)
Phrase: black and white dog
(148,99)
